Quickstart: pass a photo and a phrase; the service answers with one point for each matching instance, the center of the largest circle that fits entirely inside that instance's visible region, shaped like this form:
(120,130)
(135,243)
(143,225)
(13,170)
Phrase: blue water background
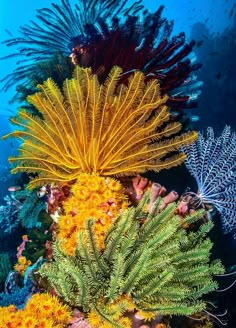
(185,13)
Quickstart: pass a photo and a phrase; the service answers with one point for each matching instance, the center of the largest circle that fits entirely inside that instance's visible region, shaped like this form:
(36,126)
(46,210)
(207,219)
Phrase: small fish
(218,75)
(14,188)
(194,118)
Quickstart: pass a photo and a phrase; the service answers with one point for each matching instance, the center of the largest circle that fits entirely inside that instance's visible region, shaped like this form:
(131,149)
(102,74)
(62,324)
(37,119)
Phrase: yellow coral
(103,202)
(147,316)
(108,129)
(22,265)
(114,312)
(41,311)
(94,319)
(162,325)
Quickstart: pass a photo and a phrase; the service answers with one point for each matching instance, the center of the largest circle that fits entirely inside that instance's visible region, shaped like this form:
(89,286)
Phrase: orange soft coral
(92,197)
(41,311)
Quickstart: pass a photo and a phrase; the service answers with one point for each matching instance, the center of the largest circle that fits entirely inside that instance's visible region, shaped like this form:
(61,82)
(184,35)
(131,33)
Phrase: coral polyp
(110,129)
(42,310)
(92,197)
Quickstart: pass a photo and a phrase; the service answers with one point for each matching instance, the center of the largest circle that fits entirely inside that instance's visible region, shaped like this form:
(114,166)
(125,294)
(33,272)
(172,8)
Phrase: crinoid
(102,34)
(108,129)
(211,161)
(56,30)
(145,44)
(156,268)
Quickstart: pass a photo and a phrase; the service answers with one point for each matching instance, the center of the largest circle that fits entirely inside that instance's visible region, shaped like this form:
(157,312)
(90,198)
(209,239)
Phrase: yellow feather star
(106,129)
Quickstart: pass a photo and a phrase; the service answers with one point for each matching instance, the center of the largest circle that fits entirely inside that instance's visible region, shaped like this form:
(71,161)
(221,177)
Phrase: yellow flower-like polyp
(94,197)
(41,311)
(124,301)
(22,265)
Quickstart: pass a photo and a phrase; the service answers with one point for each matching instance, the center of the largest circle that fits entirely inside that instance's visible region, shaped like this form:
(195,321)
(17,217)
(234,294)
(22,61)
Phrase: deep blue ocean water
(212,24)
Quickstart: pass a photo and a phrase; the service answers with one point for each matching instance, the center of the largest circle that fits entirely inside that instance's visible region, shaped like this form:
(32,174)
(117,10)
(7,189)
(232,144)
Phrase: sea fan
(99,38)
(212,162)
(108,129)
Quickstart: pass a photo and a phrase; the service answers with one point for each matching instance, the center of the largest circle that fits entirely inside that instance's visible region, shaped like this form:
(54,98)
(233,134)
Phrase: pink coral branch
(139,185)
(78,320)
(21,247)
(170,198)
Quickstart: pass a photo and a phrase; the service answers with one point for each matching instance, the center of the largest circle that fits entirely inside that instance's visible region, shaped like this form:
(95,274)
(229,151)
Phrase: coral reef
(9,219)
(92,196)
(30,210)
(55,195)
(21,283)
(211,160)
(22,208)
(104,92)
(41,310)
(22,264)
(21,247)
(83,129)
(149,264)
(78,320)
(38,236)
(5,266)
(67,23)
(18,297)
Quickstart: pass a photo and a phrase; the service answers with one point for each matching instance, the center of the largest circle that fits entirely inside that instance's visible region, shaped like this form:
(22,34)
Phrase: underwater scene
(118,164)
